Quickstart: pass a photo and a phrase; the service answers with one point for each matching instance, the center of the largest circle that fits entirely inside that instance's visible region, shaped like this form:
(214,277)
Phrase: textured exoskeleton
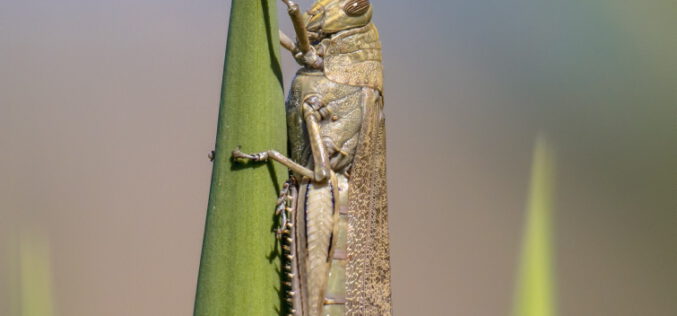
(334,207)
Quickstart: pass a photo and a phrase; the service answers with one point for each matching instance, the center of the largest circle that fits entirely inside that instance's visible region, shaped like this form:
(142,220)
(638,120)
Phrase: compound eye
(356,7)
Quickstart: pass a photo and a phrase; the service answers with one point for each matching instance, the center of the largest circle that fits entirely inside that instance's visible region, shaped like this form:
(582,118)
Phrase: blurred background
(532,154)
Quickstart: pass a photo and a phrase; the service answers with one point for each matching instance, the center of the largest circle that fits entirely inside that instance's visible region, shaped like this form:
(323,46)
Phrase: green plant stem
(535,294)
(239,268)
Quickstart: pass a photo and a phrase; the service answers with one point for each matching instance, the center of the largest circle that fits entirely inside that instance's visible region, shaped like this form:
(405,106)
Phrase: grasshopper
(333,208)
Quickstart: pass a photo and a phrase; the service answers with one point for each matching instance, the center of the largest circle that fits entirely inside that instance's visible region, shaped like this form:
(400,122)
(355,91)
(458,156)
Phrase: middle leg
(274,155)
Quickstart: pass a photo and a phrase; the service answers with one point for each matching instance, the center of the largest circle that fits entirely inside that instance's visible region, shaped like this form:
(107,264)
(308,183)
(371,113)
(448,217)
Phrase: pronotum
(333,208)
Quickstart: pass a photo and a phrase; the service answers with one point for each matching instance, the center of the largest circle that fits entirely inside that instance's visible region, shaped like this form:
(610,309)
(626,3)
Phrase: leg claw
(237,154)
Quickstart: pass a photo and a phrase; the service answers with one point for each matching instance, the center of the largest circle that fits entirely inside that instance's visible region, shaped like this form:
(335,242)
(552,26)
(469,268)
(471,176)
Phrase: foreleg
(305,54)
(288,44)
(299,25)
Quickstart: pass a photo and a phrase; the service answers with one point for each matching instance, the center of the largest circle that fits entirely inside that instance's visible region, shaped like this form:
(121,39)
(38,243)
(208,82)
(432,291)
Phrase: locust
(333,208)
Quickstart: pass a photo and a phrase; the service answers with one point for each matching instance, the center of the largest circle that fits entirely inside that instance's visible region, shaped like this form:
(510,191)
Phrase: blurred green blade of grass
(31,279)
(535,284)
(239,268)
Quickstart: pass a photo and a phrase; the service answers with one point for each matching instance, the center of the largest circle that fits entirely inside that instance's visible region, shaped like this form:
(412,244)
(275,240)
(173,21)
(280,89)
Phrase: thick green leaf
(239,269)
